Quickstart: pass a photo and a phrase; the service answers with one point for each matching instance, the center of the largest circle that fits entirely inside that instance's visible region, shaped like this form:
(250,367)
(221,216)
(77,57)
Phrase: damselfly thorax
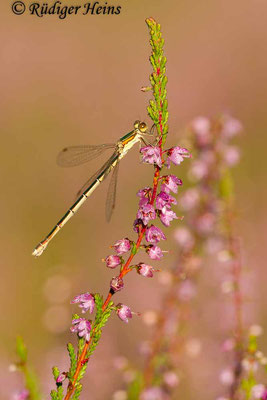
(77,155)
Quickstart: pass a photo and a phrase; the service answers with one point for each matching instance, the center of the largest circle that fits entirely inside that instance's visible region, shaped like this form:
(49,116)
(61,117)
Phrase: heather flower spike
(86,302)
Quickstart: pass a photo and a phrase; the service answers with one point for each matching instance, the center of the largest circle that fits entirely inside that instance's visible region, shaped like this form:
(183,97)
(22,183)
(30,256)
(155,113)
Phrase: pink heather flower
(229,344)
(154,234)
(176,155)
(187,291)
(170,184)
(116,284)
(86,300)
(205,223)
(145,270)
(264,396)
(81,326)
(112,261)
(153,393)
(201,127)
(145,195)
(164,199)
(190,199)
(151,155)
(137,225)
(146,213)
(61,377)
(231,127)
(171,379)
(184,237)
(122,246)
(166,216)
(227,377)
(258,391)
(231,155)
(199,169)
(124,312)
(154,252)
(22,395)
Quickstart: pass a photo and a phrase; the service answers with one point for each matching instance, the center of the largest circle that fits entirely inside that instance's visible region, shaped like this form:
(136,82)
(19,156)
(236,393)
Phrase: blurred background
(77,81)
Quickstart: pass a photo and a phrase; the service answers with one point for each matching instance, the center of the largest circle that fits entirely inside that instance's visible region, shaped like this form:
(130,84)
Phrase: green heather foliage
(158,108)
(30,379)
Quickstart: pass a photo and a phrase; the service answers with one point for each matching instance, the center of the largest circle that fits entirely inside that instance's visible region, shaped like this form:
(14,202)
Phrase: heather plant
(31,389)
(208,229)
(155,202)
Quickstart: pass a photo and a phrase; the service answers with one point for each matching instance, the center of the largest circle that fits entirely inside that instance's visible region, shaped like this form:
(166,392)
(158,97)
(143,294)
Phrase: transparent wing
(93,177)
(77,155)
(111,196)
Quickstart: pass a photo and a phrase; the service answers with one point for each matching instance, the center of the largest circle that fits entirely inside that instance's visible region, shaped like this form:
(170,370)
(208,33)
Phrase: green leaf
(55,372)
(53,395)
(73,360)
(21,349)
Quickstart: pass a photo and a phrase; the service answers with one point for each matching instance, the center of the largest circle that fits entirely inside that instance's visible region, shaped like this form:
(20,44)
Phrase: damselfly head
(141,126)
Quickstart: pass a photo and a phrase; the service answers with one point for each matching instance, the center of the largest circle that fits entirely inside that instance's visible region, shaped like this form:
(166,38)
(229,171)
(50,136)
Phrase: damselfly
(76,155)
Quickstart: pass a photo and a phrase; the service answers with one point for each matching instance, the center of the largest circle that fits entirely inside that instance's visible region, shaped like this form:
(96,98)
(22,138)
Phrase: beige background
(78,81)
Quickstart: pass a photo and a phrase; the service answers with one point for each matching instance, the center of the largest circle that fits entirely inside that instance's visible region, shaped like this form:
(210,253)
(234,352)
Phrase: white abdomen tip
(39,249)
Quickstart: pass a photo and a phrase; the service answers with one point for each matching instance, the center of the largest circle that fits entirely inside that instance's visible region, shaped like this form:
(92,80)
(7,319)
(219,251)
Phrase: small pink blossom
(164,200)
(190,199)
(231,127)
(154,234)
(61,377)
(199,169)
(116,284)
(81,326)
(146,213)
(151,155)
(171,379)
(205,223)
(86,300)
(21,395)
(166,216)
(170,183)
(145,270)
(227,377)
(258,391)
(124,312)
(176,155)
(112,261)
(145,195)
(122,246)
(187,291)
(184,237)
(154,252)
(153,393)
(201,127)
(137,225)
(231,155)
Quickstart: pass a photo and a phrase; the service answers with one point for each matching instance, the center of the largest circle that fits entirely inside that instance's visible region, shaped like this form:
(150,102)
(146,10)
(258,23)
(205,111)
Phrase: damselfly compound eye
(143,127)
(136,124)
